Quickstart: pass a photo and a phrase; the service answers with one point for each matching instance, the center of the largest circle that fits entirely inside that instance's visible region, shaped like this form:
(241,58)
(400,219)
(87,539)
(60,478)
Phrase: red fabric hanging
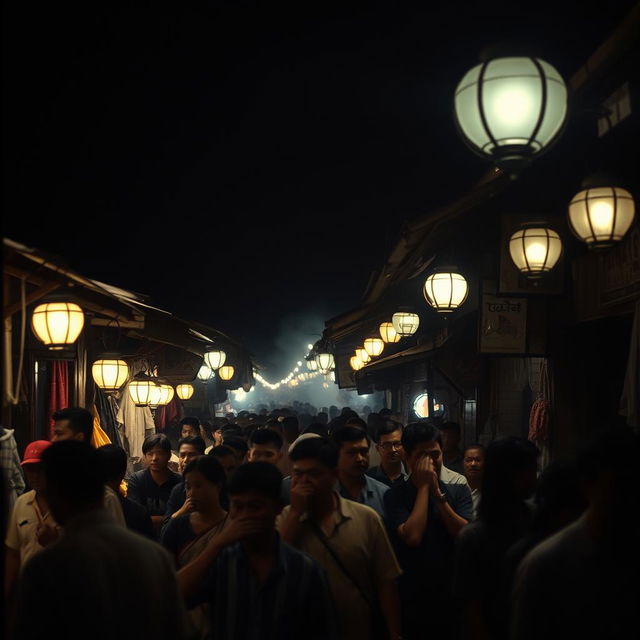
(58,389)
(169,415)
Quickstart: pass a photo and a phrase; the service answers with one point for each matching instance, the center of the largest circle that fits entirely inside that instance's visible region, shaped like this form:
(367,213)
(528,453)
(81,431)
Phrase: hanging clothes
(99,437)
(134,423)
(169,415)
(107,412)
(58,389)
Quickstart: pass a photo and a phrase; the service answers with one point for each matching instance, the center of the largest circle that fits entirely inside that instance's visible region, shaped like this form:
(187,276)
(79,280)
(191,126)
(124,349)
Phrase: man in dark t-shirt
(151,487)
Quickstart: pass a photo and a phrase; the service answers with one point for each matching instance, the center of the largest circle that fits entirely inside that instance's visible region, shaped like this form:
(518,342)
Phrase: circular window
(421,406)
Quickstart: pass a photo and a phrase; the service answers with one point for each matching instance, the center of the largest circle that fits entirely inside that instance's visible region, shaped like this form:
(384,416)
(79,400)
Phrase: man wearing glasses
(391,470)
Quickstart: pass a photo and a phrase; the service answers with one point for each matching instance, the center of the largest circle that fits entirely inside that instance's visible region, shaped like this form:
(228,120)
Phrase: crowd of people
(292,524)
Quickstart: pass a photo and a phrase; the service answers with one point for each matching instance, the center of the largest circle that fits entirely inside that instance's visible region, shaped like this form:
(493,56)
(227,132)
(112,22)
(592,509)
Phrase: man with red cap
(31,526)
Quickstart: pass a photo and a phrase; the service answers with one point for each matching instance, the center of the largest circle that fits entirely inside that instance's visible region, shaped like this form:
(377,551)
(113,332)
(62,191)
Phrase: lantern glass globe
(143,391)
(205,373)
(388,333)
(445,290)
(184,391)
(405,323)
(511,108)
(226,372)
(57,324)
(361,353)
(109,374)
(602,216)
(535,250)
(215,359)
(325,361)
(356,363)
(374,346)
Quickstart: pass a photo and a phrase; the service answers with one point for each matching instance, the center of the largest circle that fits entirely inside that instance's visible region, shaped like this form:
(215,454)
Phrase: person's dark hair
(321,449)
(505,458)
(450,426)
(209,467)
(195,441)
(317,427)
(356,422)
(156,440)
(388,426)
(416,432)
(238,444)
(273,423)
(80,421)
(290,426)
(385,413)
(261,477)
(233,432)
(114,462)
(266,436)
(74,469)
(222,451)
(191,421)
(348,433)
(475,445)
(323,417)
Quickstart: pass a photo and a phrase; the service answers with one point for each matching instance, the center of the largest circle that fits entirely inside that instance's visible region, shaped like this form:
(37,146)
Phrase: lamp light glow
(57,324)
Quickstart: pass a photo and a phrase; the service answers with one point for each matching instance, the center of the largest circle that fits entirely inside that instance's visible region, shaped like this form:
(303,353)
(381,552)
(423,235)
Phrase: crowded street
(321,323)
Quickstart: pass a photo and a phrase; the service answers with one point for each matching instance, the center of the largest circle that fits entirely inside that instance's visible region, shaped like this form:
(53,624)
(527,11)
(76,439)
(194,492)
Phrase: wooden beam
(19,273)
(9,310)
(123,324)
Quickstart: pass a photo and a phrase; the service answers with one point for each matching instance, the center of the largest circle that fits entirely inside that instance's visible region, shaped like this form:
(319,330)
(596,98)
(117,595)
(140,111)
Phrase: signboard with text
(503,325)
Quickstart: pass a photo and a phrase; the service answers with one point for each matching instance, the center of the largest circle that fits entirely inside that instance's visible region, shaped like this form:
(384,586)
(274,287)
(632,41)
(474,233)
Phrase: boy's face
(186,454)
(264,453)
(157,459)
(188,431)
(252,505)
(312,473)
(424,449)
(353,460)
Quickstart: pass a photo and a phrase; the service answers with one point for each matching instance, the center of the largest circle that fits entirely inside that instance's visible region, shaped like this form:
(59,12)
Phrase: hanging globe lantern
(600,216)
(446,290)
(161,395)
(361,353)
(325,361)
(388,333)
(57,324)
(109,373)
(510,109)
(142,390)
(405,323)
(215,359)
(312,365)
(205,373)
(356,363)
(184,391)
(535,249)
(374,346)
(226,372)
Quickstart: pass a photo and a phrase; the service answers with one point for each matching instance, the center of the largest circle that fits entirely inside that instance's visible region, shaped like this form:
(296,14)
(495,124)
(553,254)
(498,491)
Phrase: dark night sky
(248,167)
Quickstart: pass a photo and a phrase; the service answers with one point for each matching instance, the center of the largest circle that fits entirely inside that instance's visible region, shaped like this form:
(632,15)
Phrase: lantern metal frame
(72,308)
(375,344)
(384,333)
(404,333)
(528,271)
(429,295)
(514,157)
(584,197)
(136,383)
(116,360)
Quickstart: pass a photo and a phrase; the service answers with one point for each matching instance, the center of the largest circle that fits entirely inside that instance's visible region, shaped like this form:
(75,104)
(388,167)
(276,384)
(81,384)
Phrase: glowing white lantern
(205,373)
(535,249)
(142,391)
(161,395)
(110,374)
(405,323)
(356,363)
(325,361)
(215,359)
(445,290)
(600,217)
(184,391)
(374,346)
(388,333)
(312,365)
(511,108)
(57,324)
(226,372)
(361,353)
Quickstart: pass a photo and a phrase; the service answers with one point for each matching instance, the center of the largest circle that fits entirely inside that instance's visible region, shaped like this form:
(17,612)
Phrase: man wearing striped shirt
(258,587)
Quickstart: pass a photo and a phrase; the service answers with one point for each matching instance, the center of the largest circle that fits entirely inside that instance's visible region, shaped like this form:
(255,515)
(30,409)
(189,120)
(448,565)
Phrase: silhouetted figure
(584,579)
(503,517)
